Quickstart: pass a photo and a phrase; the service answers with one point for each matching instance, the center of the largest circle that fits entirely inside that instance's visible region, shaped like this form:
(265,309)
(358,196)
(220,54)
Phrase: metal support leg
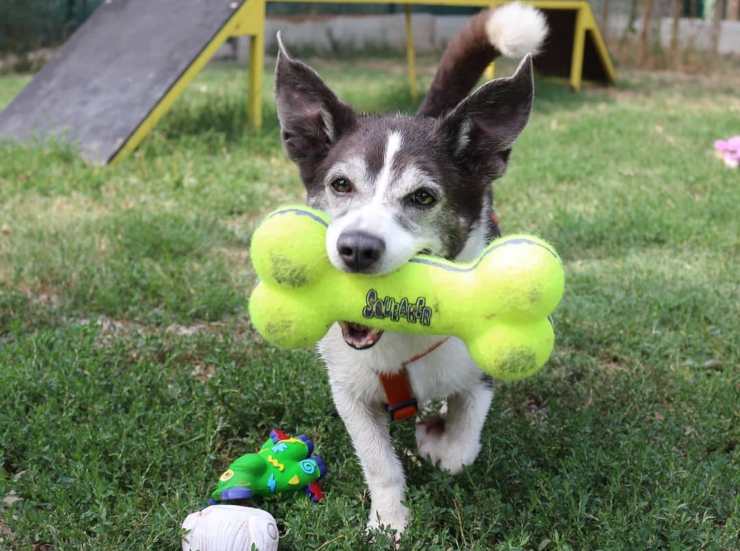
(576,64)
(256,66)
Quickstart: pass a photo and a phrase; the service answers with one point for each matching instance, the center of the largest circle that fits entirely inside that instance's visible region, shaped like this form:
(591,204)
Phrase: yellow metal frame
(249,20)
(585,22)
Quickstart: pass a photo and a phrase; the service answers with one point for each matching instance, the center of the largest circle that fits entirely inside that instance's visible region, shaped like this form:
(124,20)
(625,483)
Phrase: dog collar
(399,396)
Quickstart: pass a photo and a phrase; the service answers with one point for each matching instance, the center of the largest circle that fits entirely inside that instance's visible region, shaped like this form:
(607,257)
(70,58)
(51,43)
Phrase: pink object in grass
(729,151)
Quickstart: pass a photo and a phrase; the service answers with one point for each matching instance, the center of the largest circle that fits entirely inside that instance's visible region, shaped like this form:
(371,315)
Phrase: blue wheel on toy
(236,494)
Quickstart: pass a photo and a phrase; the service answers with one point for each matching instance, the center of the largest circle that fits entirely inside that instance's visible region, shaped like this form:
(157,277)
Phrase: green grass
(129,375)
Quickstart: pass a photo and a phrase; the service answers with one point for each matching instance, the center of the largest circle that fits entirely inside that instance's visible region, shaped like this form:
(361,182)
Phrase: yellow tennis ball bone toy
(497,304)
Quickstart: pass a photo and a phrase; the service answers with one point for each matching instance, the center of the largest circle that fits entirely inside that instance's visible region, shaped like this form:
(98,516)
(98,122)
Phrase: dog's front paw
(451,452)
(394,516)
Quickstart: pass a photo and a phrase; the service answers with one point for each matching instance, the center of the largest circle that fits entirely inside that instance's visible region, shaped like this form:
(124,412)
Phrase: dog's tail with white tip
(512,30)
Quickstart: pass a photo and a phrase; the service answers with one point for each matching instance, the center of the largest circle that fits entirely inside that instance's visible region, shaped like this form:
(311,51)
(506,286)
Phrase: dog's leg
(368,428)
(454,442)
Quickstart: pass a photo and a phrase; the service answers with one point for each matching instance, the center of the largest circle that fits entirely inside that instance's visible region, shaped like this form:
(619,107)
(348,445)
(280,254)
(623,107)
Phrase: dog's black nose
(360,250)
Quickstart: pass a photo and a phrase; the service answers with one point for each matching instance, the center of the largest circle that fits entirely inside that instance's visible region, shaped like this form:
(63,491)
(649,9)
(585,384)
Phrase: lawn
(130,376)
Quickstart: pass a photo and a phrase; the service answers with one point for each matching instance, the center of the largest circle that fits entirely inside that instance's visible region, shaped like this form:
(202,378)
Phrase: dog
(396,186)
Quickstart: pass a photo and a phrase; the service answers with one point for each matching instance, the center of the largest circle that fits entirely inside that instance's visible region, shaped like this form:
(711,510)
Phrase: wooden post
(647,23)
(733,10)
(718,12)
(675,28)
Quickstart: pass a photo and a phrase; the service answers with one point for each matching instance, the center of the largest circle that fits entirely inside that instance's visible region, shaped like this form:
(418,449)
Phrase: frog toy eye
(308,466)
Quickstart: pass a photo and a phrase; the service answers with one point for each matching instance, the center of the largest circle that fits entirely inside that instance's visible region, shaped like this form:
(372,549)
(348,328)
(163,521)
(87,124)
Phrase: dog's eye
(422,198)
(341,185)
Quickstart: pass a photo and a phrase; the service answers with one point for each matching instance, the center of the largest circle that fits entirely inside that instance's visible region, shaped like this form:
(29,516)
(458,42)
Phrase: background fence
(28,25)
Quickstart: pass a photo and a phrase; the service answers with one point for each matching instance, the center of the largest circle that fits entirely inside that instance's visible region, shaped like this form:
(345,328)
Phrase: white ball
(230,528)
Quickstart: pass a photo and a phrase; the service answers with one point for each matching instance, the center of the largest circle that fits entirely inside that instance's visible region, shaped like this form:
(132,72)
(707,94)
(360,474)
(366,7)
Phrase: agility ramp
(122,70)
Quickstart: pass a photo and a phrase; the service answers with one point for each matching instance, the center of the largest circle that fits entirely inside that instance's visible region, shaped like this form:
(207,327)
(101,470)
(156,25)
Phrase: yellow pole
(410,53)
(490,71)
(579,39)
(256,66)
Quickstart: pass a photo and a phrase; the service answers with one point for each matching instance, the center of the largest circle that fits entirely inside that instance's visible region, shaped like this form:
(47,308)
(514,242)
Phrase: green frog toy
(283,463)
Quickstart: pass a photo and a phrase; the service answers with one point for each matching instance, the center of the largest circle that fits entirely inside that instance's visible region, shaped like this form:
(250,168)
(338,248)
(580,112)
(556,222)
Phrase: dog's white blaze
(375,209)
(383,181)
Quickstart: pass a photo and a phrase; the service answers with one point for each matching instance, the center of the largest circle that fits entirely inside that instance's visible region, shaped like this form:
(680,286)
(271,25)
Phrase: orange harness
(399,396)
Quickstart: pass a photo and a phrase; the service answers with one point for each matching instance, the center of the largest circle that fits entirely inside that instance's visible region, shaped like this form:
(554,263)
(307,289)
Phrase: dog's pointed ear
(312,118)
(481,129)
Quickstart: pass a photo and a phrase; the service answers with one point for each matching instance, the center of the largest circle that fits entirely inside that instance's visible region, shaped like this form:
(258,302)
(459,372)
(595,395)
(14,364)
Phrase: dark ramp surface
(113,71)
(556,57)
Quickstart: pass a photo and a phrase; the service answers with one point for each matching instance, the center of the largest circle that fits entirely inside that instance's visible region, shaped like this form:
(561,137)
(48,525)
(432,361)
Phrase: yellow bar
(490,71)
(169,98)
(252,20)
(410,52)
(256,64)
(579,40)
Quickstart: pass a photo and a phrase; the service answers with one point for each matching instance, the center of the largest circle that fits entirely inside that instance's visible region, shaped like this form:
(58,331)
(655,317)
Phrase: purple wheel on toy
(306,440)
(311,495)
(235,494)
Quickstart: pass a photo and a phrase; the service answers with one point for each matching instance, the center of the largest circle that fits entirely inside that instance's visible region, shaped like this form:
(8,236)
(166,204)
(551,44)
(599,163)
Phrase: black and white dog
(396,186)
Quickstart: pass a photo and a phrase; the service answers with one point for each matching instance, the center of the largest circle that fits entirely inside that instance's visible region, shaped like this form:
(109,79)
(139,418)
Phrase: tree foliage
(29,24)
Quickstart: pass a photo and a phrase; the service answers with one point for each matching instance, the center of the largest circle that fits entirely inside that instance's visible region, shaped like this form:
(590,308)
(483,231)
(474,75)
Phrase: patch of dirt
(45,296)
(186,330)
(10,499)
(5,532)
(203,372)
(536,410)
(28,62)
(112,329)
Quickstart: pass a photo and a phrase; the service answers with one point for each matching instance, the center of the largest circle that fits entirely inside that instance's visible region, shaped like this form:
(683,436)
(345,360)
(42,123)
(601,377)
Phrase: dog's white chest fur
(447,372)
